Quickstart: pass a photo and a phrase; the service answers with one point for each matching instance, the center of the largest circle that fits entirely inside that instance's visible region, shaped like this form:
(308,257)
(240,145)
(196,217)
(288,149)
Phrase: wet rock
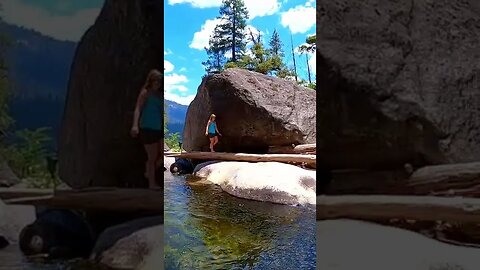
(263,181)
(58,233)
(181,166)
(399,83)
(253,111)
(111,63)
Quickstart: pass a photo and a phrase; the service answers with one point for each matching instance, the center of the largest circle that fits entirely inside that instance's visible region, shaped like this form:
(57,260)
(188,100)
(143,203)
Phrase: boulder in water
(58,233)
(350,244)
(111,63)
(264,181)
(13,218)
(399,83)
(254,111)
(181,166)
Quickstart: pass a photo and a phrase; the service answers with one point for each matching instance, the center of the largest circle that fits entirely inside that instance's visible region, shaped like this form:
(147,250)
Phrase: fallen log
(286,158)
(298,149)
(449,179)
(422,208)
(105,199)
(12,193)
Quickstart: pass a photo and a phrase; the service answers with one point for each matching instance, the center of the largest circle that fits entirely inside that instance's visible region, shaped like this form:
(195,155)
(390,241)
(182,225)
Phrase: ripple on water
(206,228)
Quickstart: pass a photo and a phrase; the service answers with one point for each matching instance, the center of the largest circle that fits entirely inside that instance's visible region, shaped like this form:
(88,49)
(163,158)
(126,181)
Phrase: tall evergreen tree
(276,44)
(229,35)
(216,56)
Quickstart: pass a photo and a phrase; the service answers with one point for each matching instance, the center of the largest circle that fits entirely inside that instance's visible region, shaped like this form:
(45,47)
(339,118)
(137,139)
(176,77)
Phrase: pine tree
(216,57)
(276,44)
(229,35)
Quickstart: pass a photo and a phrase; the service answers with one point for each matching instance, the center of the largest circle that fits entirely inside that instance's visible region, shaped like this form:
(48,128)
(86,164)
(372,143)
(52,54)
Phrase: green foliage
(228,36)
(276,44)
(310,46)
(27,156)
(172,141)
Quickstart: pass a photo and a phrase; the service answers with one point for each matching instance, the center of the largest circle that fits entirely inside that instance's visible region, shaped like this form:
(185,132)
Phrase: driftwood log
(422,208)
(286,158)
(293,149)
(104,199)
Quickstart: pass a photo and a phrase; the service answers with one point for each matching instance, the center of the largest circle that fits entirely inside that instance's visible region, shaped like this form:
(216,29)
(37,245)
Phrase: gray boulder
(111,63)
(7,176)
(253,112)
(398,82)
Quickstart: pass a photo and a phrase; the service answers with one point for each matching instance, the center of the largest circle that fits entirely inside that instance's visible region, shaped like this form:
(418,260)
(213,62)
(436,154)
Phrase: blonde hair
(153,76)
(212,116)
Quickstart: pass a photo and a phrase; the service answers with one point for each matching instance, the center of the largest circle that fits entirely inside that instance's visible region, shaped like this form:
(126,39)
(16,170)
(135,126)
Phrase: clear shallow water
(206,228)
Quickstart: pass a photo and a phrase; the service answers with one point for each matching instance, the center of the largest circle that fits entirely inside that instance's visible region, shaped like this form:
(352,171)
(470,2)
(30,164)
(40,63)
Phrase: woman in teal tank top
(148,123)
(212,131)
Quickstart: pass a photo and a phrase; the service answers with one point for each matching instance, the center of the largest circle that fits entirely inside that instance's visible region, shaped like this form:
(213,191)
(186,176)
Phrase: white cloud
(70,27)
(175,90)
(256,8)
(167,52)
(197,3)
(183,69)
(168,66)
(310,3)
(200,38)
(299,19)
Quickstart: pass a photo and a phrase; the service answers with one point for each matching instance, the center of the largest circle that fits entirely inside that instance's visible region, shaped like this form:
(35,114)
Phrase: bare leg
(212,140)
(215,141)
(152,154)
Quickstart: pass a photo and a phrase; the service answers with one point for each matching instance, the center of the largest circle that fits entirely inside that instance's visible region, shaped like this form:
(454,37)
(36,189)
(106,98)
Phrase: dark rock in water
(3,242)
(59,233)
(111,235)
(398,82)
(7,177)
(182,166)
(111,63)
(253,111)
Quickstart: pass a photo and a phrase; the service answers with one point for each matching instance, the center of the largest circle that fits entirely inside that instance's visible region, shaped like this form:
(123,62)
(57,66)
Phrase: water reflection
(205,228)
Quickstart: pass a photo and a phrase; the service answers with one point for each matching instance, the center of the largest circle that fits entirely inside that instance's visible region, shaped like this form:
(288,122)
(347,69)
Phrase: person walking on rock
(212,132)
(148,123)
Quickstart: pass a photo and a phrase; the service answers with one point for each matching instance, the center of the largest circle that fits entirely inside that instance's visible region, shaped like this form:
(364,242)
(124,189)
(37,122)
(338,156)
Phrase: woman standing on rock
(212,131)
(148,123)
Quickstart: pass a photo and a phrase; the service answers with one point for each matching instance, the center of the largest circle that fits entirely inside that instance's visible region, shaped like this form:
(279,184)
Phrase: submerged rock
(349,244)
(264,181)
(399,82)
(111,63)
(253,111)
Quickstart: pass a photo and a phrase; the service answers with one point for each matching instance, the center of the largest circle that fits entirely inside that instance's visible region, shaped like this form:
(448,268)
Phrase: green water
(205,228)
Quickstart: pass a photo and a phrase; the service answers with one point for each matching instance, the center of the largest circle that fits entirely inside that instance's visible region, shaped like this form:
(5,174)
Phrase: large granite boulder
(398,82)
(263,181)
(110,66)
(253,112)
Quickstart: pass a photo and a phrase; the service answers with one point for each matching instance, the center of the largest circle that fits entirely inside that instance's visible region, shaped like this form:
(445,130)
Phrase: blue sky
(189,23)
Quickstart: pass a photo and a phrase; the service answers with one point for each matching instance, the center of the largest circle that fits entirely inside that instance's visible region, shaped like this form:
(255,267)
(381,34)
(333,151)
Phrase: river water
(206,228)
